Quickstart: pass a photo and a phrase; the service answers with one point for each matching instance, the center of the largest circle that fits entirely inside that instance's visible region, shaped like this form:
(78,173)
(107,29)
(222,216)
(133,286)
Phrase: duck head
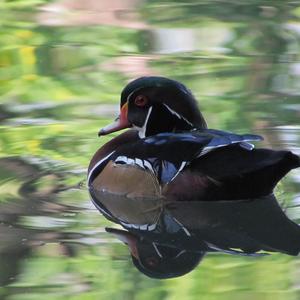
(156,104)
(157,261)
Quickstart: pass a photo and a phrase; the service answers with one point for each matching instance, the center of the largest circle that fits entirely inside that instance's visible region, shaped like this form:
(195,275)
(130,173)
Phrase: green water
(62,67)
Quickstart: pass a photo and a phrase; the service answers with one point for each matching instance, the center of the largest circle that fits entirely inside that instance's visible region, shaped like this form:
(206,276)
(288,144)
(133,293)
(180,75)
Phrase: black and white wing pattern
(167,154)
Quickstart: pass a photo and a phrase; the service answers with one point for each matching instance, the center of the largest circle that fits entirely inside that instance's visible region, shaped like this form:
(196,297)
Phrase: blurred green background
(62,66)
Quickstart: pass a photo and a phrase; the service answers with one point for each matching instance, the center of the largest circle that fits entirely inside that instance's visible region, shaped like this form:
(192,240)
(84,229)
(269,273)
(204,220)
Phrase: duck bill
(120,123)
(127,238)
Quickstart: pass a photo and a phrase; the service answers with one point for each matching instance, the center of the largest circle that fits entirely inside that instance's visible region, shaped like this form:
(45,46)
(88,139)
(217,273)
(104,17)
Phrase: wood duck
(168,156)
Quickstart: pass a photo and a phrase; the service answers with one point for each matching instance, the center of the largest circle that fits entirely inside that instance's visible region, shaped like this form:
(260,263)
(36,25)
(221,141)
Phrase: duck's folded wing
(244,174)
(213,164)
(167,154)
(189,145)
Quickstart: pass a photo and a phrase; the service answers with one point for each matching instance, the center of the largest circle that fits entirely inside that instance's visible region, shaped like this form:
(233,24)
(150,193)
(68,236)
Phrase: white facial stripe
(184,89)
(133,93)
(181,252)
(157,251)
(142,130)
(177,114)
(182,227)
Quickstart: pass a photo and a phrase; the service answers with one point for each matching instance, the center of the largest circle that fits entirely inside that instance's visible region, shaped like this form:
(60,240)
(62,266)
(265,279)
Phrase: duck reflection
(183,232)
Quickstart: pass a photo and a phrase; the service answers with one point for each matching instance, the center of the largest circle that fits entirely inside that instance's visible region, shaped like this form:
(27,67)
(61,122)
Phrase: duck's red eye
(141,100)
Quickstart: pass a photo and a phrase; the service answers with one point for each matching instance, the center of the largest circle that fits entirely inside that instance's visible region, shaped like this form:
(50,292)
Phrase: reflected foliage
(242,66)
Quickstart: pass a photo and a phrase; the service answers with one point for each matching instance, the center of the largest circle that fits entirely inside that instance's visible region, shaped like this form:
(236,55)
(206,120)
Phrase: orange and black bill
(120,123)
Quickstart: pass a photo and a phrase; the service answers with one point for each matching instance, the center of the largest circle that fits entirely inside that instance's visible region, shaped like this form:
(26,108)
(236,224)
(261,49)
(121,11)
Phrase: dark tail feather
(244,173)
(268,177)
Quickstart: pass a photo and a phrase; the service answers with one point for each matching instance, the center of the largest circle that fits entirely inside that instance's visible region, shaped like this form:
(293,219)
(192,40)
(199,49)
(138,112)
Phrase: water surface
(63,65)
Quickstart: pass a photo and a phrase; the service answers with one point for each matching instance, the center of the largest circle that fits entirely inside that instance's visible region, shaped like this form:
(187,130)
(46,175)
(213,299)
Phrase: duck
(167,155)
